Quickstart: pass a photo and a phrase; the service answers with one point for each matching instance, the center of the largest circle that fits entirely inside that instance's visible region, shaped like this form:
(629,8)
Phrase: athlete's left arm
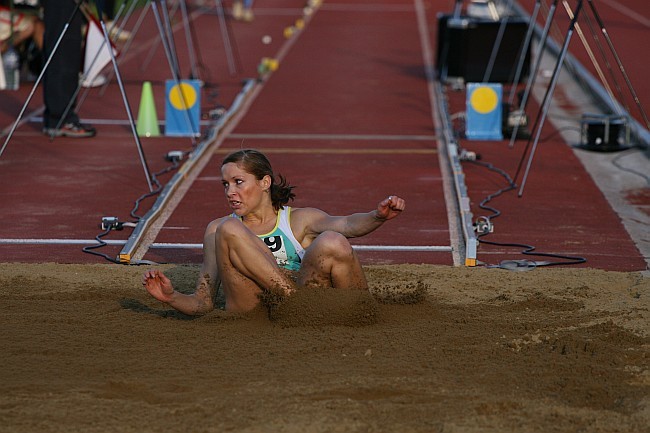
(354,225)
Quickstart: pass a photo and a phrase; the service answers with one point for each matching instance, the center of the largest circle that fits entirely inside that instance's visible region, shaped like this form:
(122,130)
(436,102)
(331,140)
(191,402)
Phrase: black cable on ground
(156,191)
(119,226)
(100,244)
(618,165)
(527,249)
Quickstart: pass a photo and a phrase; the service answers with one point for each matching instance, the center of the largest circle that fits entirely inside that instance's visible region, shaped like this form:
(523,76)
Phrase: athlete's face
(243,191)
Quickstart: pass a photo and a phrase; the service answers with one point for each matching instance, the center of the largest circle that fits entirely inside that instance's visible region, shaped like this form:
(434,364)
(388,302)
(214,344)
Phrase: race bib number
(277,248)
(274,243)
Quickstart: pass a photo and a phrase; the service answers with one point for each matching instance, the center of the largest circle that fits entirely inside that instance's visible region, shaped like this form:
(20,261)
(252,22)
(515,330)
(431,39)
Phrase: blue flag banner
(182,108)
(484,114)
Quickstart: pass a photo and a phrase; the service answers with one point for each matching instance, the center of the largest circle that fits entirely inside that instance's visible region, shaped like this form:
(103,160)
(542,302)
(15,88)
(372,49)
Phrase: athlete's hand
(390,207)
(158,285)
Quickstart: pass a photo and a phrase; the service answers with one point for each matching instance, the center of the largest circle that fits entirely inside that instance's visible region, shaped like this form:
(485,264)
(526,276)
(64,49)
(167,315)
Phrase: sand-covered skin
(429,349)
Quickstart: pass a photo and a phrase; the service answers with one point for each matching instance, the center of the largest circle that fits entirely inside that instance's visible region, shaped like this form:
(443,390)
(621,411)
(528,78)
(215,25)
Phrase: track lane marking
(628,12)
(338,151)
(374,137)
(453,213)
(171,245)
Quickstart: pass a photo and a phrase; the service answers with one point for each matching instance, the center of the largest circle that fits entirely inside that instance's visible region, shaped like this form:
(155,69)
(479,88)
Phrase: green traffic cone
(147,124)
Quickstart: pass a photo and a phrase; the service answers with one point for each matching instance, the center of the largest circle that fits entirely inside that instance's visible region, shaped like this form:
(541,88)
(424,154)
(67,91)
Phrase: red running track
(347,117)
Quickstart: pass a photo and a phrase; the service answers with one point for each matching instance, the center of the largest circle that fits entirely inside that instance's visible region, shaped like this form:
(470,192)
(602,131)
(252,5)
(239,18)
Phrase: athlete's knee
(230,227)
(333,244)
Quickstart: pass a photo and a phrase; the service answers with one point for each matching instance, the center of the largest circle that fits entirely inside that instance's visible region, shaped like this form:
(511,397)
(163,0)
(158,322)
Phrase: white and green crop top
(283,244)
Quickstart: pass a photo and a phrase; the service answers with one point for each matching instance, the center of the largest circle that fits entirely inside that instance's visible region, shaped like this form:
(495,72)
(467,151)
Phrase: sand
(429,349)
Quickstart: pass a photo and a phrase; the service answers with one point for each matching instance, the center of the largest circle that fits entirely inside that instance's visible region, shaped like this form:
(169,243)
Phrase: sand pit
(430,349)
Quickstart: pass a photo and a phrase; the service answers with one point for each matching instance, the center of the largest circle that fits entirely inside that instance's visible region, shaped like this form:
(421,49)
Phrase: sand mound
(326,306)
(426,349)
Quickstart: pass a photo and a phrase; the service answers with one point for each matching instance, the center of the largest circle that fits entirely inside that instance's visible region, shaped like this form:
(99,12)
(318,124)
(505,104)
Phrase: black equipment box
(465,46)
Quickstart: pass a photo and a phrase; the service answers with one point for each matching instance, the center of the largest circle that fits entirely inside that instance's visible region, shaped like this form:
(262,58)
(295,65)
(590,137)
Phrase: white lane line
(455,232)
(370,137)
(366,8)
(363,151)
(58,242)
(170,245)
(107,121)
(627,11)
(356,247)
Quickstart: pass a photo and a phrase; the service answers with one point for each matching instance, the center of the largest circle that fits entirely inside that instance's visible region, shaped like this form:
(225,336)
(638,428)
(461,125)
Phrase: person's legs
(330,261)
(246,266)
(62,74)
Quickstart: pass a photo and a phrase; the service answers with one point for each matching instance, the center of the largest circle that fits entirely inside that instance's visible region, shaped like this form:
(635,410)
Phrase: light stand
(127,107)
(495,48)
(233,66)
(533,73)
(541,116)
(134,32)
(619,63)
(40,76)
(517,118)
(167,38)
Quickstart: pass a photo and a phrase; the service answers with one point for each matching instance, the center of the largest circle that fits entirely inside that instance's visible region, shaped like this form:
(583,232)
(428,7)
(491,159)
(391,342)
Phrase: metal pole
(173,65)
(619,63)
(127,107)
(522,53)
(533,73)
(547,97)
(188,39)
(135,30)
(83,75)
(40,77)
(226,38)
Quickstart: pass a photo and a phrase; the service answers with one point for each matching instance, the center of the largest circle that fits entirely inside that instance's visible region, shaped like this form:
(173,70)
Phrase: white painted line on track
(443,248)
(359,7)
(58,242)
(106,121)
(169,245)
(452,211)
(367,151)
(627,11)
(370,137)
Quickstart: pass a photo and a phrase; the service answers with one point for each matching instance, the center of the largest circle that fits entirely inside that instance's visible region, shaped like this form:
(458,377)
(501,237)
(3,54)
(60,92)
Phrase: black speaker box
(604,133)
(465,45)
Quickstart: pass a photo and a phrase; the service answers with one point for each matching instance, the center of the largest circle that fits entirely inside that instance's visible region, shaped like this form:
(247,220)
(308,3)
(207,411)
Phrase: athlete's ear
(266,182)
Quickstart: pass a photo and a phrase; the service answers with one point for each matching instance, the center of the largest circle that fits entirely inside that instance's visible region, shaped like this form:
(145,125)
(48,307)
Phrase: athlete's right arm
(199,302)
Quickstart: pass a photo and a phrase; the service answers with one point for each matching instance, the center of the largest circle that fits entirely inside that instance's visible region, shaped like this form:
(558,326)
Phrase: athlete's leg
(330,261)
(246,266)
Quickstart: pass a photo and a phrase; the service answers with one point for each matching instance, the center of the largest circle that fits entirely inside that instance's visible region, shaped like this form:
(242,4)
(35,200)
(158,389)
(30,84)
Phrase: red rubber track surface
(355,70)
(627,23)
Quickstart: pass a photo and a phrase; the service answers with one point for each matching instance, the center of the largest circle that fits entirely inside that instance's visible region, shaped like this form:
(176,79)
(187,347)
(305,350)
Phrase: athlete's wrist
(378,217)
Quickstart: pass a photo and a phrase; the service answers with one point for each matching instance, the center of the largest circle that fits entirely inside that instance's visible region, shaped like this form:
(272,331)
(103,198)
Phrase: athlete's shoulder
(306,212)
(303,219)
